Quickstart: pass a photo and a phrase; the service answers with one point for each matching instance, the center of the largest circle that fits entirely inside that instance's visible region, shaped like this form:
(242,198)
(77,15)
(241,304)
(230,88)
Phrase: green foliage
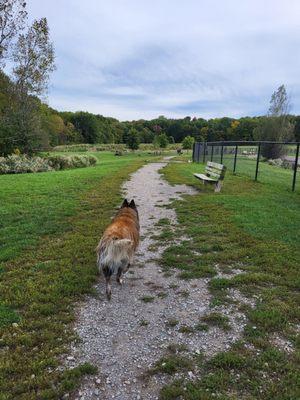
(161,141)
(188,142)
(133,139)
(86,124)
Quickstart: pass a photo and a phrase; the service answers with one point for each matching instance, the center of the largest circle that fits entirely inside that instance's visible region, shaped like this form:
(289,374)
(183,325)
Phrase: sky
(139,59)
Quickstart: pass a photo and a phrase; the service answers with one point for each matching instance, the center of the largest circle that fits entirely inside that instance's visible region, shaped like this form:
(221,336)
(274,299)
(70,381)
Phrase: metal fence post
(222,149)
(194,148)
(212,152)
(295,168)
(257,161)
(235,157)
(204,151)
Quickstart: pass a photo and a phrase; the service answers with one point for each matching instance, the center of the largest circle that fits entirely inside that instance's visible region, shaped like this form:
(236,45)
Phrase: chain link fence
(249,158)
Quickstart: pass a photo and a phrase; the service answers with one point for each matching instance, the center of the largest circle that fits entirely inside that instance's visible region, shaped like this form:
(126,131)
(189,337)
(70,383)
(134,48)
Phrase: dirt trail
(114,335)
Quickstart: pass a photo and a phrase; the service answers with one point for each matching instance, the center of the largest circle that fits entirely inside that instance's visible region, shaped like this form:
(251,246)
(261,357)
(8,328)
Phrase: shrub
(72,161)
(21,164)
(15,164)
(188,142)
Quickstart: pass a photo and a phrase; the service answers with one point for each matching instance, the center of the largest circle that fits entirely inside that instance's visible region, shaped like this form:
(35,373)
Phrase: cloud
(139,59)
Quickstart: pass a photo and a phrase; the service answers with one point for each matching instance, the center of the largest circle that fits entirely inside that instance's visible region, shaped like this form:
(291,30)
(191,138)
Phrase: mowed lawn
(253,227)
(50,224)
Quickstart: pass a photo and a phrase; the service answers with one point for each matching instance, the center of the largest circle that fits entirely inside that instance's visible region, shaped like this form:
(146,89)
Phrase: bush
(277,162)
(74,161)
(15,164)
(188,142)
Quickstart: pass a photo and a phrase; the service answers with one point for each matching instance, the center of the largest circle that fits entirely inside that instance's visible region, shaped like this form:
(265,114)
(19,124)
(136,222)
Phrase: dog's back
(119,243)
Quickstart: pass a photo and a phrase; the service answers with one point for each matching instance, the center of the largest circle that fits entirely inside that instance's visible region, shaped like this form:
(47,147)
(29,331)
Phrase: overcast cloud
(134,59)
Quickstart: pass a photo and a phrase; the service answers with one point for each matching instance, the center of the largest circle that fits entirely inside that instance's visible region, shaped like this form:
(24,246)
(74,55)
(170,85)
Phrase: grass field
(50,225)
(253,227)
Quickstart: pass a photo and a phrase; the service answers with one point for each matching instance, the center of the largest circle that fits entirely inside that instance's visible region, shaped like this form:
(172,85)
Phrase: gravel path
(125,336)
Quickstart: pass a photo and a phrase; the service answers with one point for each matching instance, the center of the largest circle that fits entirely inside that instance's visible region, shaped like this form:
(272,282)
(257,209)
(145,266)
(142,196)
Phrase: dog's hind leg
(119,276)
(107,273)
(108,287)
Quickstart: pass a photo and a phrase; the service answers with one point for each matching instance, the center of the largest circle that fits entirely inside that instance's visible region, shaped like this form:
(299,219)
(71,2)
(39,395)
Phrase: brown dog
(118,244)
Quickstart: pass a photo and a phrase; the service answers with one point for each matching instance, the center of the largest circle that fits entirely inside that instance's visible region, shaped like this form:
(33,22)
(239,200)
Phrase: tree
(133,139)
(161,141)
(33,56)
(12,20)
(276,125)
(87,125)
(188,142)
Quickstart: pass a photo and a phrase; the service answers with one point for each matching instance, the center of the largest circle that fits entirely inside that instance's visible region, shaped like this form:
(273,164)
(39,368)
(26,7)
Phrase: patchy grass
(162,295)
(201,327)
(177,348)
(186,329)
(183,293)
(163,222)
(252,227)
(147,299)
(171,364)
(171,322)
(165,235)
(50,226)
(217,319)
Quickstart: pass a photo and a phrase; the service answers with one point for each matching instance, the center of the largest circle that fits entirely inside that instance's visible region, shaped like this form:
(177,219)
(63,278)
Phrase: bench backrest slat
(215,165)
(215,170)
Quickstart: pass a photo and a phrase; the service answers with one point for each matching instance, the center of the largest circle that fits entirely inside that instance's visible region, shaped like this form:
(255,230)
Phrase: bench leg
(218,186)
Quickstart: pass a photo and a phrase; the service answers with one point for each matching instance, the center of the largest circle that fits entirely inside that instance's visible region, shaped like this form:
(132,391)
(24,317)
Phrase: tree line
(28,125)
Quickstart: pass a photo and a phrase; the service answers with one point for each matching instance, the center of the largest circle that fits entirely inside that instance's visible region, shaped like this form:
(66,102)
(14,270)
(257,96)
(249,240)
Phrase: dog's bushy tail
(113,254)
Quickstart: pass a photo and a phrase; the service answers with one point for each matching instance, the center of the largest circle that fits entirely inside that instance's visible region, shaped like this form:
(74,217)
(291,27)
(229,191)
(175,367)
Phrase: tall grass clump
(90,147)
(21,164)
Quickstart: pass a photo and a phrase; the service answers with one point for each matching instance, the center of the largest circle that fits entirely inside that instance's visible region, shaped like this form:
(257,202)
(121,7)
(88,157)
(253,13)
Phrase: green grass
(171,364)
(186,329)
(50,225)
(217,319)
(147,299)
(254,227)
(171,322)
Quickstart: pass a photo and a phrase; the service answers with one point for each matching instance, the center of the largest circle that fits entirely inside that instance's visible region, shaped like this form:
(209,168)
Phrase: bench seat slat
(205,178)
(212,173)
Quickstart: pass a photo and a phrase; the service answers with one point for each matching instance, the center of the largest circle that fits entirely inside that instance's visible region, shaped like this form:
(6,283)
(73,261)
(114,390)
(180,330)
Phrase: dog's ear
(125,203)
(132,204)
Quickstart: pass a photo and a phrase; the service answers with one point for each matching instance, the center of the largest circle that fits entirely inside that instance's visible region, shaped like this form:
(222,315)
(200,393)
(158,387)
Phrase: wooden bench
(214,173)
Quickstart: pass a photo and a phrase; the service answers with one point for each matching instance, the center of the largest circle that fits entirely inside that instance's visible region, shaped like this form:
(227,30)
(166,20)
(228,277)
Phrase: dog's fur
(118,244)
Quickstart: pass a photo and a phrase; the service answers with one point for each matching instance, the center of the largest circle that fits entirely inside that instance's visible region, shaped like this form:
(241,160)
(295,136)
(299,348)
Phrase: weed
(147,299)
